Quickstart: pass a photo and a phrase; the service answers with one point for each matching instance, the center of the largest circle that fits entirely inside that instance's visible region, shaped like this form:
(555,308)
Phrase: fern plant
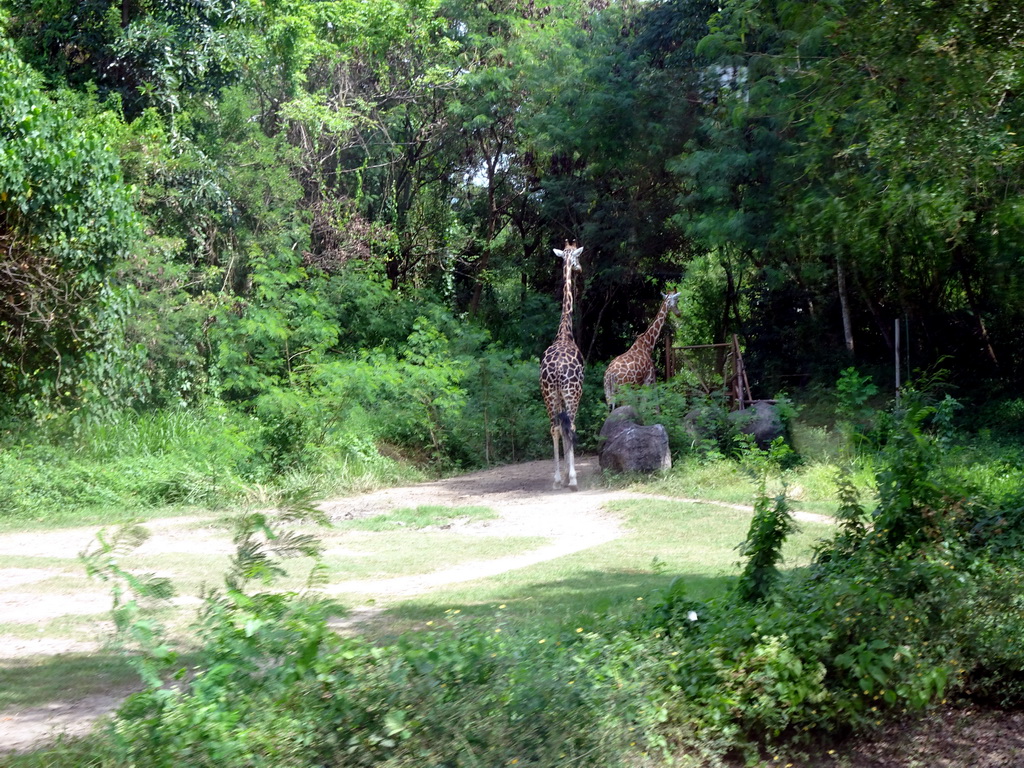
(134,595)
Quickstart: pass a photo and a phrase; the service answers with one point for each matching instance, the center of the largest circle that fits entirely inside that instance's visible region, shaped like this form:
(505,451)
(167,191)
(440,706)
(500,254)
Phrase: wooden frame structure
(732,371)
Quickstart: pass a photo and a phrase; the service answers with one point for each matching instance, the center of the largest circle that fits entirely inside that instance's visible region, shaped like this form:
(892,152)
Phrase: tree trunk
(844,304)
(972,302)
(883,326)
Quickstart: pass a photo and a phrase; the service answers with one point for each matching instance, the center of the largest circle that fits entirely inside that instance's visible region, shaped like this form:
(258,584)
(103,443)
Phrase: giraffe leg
(555,434)
(568,430)
(571,461)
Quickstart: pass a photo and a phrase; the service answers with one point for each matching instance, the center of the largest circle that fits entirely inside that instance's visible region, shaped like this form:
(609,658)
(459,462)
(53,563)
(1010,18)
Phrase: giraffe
(635,365)
(561,374)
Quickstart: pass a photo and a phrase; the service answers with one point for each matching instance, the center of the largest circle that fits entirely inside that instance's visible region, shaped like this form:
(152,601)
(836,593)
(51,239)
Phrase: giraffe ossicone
(561,374)
(635,366)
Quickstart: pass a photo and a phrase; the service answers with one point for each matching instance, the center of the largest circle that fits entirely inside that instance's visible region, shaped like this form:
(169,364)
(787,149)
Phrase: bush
(129,461)
(204,456)
(504,418)
(67,219)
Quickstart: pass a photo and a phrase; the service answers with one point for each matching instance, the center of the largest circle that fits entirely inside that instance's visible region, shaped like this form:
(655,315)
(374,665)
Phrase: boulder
(628,446)
(619,418)
(762,419)
(708,422)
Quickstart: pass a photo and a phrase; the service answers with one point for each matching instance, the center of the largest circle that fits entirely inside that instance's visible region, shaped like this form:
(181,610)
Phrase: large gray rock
(619,418)
(762,419)
(631,447)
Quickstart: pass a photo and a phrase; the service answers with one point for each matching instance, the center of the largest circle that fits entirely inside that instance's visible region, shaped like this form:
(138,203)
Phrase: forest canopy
(276,205)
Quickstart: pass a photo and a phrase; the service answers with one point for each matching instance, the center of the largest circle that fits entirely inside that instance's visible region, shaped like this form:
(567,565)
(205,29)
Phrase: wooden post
(844,305)
(737,366)
(896,335)
(741,374)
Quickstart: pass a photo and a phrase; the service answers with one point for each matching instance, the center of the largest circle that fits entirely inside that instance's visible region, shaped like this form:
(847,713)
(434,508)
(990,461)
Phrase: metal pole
(896,336)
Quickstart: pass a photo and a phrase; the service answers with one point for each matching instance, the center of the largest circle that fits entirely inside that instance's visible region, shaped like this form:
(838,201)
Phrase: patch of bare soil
(961,736)
(31,728)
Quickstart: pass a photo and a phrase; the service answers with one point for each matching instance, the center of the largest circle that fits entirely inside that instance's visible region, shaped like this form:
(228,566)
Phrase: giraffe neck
(646,340)
(565,324)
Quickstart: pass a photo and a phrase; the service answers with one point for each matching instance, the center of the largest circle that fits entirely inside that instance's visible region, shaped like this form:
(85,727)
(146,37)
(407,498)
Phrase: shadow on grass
(550,604)
(34,682)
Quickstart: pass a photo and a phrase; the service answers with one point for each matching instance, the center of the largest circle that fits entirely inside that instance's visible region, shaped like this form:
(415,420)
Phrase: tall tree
(66,219)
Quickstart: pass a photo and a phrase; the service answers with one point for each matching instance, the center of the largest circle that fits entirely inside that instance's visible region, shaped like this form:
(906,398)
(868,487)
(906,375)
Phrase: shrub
(697,423)
(504,419)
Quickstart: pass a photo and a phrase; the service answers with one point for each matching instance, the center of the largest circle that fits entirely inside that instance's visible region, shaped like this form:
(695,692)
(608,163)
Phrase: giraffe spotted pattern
(561,375)
(636,365)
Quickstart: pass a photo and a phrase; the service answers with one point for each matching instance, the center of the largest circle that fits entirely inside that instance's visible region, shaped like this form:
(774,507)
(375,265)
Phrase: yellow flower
(579,629)
(430,623)
(500,607)
(542,640)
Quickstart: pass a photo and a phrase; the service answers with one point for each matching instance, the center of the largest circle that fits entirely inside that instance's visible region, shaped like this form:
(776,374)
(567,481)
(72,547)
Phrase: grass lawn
(663,540)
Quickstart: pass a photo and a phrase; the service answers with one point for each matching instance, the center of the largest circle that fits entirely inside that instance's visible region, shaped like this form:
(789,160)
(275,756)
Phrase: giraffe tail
(568,433)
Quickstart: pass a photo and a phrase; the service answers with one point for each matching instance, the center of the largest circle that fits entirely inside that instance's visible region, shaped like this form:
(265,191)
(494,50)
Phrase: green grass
(696,542)
(62,473)
(701,479)
(32,682)
(810,486)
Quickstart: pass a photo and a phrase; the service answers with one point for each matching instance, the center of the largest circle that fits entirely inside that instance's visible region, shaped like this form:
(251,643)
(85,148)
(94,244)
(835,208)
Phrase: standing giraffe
(635,365)
(561,373)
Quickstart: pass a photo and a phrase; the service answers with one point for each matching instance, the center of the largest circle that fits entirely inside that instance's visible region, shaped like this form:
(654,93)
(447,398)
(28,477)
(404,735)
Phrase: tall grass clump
(66,471)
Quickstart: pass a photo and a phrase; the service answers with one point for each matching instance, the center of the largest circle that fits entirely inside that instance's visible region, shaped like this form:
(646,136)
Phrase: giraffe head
(672,302)
(571,254)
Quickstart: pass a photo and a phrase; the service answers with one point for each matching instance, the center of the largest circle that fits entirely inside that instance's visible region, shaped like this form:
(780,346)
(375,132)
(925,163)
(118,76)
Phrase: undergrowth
(915,600)
(67,471)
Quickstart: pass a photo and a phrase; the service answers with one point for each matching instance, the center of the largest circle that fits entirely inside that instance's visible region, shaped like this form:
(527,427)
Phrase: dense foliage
(306,244)
(311,179)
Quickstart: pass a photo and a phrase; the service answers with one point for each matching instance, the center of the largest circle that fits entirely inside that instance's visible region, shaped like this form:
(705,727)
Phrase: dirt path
(521,495)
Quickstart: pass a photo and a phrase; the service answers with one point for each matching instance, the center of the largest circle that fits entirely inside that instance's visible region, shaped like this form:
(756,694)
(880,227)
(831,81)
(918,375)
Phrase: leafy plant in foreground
(131,592)
(910,503)
(771,524)
(850,518)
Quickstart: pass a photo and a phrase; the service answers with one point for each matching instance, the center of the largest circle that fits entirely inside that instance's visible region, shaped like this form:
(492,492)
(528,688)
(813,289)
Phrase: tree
(65,219)
(823,162)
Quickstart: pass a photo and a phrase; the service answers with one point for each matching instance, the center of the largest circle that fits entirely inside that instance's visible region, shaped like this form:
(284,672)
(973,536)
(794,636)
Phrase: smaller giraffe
(635,365)
(561,374)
